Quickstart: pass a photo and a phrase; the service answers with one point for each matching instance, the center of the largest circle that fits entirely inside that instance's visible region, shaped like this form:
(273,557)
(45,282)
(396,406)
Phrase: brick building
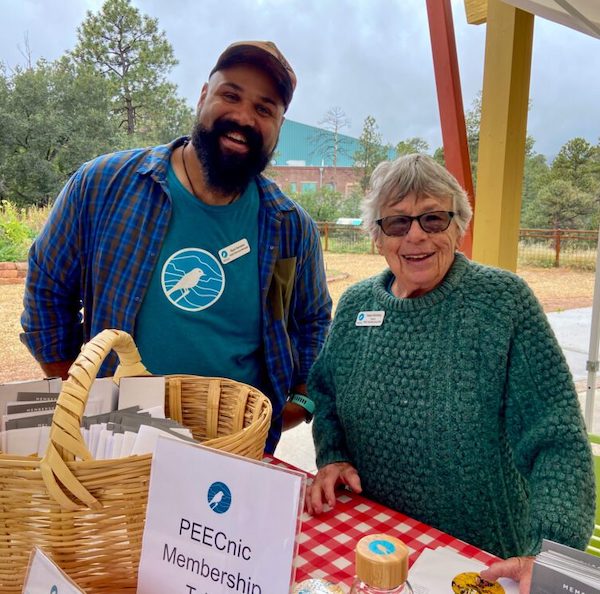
(304,159)
(304,178)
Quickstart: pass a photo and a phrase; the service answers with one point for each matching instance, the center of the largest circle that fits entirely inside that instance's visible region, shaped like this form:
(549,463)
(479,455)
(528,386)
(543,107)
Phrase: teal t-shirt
(201,313)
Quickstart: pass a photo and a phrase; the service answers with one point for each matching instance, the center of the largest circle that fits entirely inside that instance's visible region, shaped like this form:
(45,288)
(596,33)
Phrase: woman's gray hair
(392,181)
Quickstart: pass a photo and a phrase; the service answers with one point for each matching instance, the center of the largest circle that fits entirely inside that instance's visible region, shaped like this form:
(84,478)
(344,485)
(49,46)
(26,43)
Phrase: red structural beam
(452,116)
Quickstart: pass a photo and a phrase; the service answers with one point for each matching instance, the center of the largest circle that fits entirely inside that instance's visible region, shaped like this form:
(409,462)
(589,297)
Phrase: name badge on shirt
(370,318)
(234,251)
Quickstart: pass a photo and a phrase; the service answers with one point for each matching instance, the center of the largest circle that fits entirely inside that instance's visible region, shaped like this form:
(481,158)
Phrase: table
(327,542)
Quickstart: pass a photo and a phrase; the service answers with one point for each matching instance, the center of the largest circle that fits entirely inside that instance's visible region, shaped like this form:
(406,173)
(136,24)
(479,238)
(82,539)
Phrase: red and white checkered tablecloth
(327,542)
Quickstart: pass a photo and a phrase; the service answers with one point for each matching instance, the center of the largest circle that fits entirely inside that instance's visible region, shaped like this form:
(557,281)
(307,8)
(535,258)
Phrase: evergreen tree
(578,162)
(134,56)
(412,145)
(536,176)
(438,156)
(560,205)
(473,123)
(370,153)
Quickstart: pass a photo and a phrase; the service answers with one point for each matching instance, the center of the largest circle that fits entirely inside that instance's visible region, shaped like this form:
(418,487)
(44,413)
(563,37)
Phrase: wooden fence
(575,248)
(345,238)
(548,248)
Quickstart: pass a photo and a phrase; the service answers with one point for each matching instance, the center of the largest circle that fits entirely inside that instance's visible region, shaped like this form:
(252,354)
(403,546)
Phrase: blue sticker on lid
(382,547)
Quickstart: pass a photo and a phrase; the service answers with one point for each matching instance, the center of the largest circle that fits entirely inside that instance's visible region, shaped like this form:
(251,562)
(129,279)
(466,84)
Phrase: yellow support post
(503,130)
(476,11)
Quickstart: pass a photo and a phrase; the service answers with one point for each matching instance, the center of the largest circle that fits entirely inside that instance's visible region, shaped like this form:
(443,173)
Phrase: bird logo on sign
(219,497)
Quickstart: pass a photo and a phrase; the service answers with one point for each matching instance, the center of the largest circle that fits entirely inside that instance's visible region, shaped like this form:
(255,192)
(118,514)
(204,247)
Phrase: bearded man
(190,249)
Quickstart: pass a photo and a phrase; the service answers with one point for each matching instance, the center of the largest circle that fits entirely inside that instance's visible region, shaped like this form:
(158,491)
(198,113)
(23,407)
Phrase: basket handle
(66,442)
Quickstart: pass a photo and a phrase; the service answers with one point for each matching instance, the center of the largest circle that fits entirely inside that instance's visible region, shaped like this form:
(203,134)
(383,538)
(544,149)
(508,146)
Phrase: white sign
(218,523)
(44,577)
(370,318)
(234,251)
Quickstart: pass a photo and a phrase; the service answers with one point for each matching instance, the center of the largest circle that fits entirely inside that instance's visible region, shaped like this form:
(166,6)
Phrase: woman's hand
(516,568)
(325,483)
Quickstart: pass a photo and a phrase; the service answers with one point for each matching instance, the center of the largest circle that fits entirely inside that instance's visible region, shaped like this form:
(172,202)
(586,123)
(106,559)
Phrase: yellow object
(504,104)
(594,544)
(476,11)
(381,561)
(471,581)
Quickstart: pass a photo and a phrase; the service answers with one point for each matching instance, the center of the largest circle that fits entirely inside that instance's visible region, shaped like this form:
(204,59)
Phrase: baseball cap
(265,55)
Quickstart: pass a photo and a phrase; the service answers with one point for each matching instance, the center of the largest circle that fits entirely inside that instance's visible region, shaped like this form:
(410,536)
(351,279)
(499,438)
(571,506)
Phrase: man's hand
(57,369)
(293,415)
(516,568)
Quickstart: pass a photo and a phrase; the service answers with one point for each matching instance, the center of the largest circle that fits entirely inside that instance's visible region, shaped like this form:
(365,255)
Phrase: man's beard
(229,172)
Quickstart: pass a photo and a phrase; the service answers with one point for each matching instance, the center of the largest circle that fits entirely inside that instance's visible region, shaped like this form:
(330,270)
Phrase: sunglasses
(431,222)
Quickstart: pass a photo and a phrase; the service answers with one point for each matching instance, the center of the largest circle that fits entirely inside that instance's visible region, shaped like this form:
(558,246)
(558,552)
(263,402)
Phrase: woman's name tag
(370,318)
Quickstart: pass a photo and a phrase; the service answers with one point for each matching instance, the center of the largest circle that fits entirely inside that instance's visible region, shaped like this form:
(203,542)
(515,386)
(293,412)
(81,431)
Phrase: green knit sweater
(459,411)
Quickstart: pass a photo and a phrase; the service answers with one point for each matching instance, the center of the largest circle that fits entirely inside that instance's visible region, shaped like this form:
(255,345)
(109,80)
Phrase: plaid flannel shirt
(100,245)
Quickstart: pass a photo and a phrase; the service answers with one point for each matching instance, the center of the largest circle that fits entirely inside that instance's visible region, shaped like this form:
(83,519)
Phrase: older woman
(441,390)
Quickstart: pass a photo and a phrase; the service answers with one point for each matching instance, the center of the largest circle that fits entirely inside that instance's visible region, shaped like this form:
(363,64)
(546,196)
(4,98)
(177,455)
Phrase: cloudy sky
(369,57)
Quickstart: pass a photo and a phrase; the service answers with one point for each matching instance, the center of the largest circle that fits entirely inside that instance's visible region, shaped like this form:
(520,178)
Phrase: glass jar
(381,566)
(316,586)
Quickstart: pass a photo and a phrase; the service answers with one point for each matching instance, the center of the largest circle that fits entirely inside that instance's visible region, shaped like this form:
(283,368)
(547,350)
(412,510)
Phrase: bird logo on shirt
(187,282)
(192,279)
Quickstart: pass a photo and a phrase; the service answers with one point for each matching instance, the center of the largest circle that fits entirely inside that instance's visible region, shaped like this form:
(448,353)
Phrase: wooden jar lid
(381,561)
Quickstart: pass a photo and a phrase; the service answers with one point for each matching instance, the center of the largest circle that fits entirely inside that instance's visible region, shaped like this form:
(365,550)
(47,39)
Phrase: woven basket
(88,515)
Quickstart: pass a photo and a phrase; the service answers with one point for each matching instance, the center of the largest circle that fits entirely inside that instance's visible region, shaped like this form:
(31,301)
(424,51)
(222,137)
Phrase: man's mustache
(253,138)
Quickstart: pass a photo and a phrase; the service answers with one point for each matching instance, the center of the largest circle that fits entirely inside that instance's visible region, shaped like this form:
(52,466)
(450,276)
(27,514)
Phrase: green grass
(543,256)
(17,232)
(18,227)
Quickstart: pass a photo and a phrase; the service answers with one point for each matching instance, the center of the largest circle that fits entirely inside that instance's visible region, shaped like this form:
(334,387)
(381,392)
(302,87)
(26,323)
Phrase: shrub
(15,235)
(34,217)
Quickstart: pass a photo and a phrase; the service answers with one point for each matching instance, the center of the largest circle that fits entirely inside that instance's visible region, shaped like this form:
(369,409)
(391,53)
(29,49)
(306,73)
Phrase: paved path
(572,328)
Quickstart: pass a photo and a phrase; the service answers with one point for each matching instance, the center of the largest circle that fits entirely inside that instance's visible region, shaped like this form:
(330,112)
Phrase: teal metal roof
(312,146)
(301,144)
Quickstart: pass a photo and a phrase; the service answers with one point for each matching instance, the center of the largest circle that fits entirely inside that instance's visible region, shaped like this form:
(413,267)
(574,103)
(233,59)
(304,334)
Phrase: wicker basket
(88,515)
